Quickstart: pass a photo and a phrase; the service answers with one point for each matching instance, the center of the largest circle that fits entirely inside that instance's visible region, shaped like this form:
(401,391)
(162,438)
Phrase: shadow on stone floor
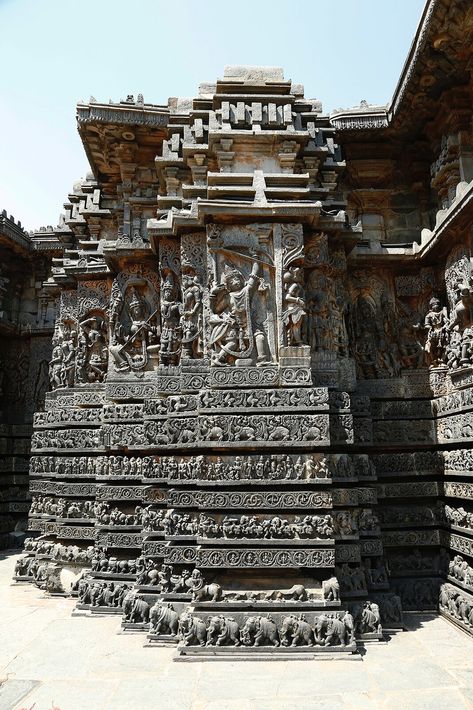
(5,554)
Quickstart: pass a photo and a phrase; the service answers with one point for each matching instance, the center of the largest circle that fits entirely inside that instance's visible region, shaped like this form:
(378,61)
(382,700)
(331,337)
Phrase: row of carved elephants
(193,629)
(415,593)
(458,604)
(96,594)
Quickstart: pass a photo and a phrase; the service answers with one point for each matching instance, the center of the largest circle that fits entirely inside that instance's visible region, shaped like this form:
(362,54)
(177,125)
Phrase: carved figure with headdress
(235,334)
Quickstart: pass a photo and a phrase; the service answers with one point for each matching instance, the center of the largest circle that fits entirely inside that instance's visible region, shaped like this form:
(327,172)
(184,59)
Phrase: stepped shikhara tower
(260,369)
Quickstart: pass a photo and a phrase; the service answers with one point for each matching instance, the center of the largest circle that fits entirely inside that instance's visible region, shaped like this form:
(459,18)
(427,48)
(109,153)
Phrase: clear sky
(55,52)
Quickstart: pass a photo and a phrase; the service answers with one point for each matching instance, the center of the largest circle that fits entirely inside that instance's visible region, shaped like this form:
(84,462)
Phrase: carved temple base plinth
(87,610)
(129,627)
(267,606)
(459,623)
(371,637)
(164,640)
(265,653)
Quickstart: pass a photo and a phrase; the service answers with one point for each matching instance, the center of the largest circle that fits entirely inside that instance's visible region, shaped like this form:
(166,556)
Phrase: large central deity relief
(241,323)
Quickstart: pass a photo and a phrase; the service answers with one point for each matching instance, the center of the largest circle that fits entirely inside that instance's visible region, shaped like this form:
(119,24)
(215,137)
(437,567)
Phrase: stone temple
(248,347)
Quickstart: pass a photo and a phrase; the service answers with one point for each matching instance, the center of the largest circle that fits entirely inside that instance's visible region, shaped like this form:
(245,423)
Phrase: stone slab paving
(52,661)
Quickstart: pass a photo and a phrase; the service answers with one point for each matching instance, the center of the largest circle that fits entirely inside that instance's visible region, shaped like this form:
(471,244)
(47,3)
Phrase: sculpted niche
(135,331)
(241,319)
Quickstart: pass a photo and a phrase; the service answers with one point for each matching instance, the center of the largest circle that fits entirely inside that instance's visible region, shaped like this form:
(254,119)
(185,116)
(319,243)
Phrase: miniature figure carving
(223,631)
(192,630)
(136,610)
(171,333)
(460,569)
(92,350)
(62,364)
(331,589)
(191,318)
(260,631)
(370,621)
(462,317)
(295,631)
(204,592)
(296,593)
(294,315)
(436,323)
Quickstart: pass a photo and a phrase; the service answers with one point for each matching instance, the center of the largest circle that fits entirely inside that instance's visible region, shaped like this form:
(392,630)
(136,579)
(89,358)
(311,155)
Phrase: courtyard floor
(50,660)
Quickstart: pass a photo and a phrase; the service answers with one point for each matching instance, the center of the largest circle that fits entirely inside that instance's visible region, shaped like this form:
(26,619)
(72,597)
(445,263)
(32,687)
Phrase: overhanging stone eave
(116,115)
(407,76)
(375,120)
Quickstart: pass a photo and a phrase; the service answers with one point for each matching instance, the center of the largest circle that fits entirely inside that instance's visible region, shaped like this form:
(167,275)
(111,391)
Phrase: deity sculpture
(294,317)
(372,340)
(55,367)
(436,323)
(410,350)
(191,318)
(68,346)
(132,343)
(366,356)
(462,317)
(62,364)
(171,332)
(319,311)
(236,332)
(92,351)
(338,334)
(453,350)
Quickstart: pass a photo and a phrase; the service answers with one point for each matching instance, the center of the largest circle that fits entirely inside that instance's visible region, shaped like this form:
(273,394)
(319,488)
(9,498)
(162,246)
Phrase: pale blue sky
(56,52)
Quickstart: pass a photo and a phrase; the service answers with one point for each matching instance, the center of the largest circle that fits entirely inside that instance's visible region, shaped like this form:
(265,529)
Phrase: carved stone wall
(259,421)
(27,312)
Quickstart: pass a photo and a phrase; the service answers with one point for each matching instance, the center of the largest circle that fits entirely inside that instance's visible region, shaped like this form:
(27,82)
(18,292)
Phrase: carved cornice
(122,114)
(14,232)
(360,119)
